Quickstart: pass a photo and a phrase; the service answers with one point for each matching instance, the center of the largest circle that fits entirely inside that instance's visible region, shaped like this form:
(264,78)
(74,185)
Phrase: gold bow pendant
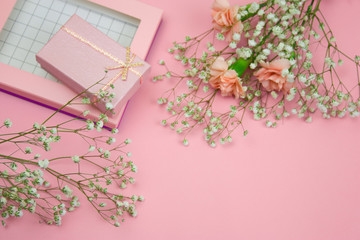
(125,67)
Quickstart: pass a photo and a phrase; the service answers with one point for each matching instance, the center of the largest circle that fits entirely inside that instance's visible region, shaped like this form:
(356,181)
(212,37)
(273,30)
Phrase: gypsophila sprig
(31,183)
(260,58)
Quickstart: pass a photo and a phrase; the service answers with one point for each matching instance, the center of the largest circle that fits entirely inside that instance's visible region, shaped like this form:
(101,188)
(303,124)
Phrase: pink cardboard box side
(79,65)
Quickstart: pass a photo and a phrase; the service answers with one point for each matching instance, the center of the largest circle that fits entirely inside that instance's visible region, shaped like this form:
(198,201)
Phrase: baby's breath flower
(232,45)
(85,100)
(274,94)
(67,191)
(75,159)
(86,112)
(109,106)
(253,7)
(36,126)
(252,42)
(236,37)
(28,150)
(253,65)
(290,97)
(8,123)
(277,30)
(90,125)
(43,163)
(270,16)
(309,55)
(220,36)
(107,154)
(202,75)
(284,72)
(266,51)
(100,123)
(53,131)
(111,140)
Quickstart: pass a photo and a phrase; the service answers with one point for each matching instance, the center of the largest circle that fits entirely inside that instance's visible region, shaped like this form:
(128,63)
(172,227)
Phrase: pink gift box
(79,55)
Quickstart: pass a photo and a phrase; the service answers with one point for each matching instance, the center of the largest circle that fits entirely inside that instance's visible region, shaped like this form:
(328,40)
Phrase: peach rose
(270,76)
(217,69)
(224,19)
(226,80)
(230,84)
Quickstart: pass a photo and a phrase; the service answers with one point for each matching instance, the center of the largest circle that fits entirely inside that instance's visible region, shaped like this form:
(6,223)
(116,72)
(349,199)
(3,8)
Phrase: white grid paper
(33,22)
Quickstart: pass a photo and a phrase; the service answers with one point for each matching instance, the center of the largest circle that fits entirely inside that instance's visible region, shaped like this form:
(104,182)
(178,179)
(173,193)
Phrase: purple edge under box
(61,111)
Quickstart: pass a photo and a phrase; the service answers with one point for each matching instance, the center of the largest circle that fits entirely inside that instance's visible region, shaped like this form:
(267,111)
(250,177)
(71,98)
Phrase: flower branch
(264,64)
(39,185)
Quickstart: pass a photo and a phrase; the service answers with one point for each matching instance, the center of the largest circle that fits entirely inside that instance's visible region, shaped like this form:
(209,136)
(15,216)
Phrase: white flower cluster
(253,7)
(244,52)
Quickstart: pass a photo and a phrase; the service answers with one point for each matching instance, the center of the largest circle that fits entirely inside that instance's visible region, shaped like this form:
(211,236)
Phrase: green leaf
(240,66)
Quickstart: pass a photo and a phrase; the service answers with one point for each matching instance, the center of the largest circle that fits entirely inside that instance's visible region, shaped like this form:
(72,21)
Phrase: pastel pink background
(299,181)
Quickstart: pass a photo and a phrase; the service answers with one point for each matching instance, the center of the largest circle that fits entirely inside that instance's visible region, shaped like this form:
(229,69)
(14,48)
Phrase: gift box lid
(82,57)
